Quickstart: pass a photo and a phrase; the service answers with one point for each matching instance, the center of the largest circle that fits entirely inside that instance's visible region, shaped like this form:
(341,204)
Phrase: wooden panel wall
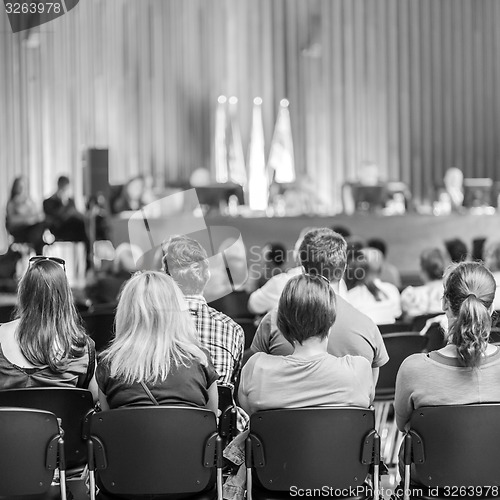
(413,85)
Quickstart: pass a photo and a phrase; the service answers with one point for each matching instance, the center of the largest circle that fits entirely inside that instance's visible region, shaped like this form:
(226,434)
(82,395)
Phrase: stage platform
(406,235)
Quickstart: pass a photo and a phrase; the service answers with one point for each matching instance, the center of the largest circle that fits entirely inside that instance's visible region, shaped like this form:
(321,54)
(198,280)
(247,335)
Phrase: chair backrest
(459,445)
(418,322)
(72,406)
(6,313)
(154,450)
(435,337)
(28,456)
(312,447)
(398,326)
(399,346)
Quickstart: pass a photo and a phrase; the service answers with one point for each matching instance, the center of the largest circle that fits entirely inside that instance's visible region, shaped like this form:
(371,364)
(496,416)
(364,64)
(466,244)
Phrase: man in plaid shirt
(187,262)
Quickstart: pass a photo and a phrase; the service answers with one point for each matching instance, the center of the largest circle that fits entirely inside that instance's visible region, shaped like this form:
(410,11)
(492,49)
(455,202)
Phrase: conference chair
(418,322)
(289,452)
(156,451)
(7,313)
(227,417)
(72,406)
(399,346)
(99,324)
(435,337)
(398,326)
(32,449)
(454,450)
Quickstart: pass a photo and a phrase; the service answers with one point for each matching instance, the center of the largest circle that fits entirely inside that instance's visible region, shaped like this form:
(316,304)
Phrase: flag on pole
(281,157)
(258,184)
(221,169)
(235,155)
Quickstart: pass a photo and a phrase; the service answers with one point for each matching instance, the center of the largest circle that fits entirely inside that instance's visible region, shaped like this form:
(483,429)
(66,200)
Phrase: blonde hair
(154,330)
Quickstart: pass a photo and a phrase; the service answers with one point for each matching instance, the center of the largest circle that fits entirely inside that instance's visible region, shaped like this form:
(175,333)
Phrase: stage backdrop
(412,85)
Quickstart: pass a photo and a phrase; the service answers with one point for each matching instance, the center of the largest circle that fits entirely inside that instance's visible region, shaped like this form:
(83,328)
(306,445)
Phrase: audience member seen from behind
(187,262)
(46,345)
(23,220)
(457,250)
(274,261)
(155,349)
(389,273)
(106,288)
(309,376)
(467,369)
(492,262)
(130,197)
(426,299)
(63,219)
(324,253)
(380,301)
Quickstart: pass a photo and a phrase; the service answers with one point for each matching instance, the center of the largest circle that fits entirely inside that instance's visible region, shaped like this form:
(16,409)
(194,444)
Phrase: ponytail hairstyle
(469,291)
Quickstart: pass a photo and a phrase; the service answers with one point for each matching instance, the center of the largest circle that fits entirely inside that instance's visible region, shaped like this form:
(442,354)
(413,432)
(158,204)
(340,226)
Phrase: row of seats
(174,450)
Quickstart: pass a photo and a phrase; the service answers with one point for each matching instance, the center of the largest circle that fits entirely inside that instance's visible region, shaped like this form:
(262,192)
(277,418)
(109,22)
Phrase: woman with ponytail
(467,369)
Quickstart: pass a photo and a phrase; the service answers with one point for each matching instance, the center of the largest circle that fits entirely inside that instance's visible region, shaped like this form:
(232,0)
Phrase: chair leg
(248,465)
(219,464)
(62,468)
(407,462)
(376,467)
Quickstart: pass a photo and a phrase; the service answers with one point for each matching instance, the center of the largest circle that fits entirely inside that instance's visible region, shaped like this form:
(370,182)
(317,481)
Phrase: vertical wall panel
(413,85)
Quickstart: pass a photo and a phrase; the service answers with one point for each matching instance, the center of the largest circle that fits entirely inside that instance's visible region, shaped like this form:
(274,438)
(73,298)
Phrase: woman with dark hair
(310,376)
(467,369)
(23,221)
(46,345)
(379,300)
(426,299)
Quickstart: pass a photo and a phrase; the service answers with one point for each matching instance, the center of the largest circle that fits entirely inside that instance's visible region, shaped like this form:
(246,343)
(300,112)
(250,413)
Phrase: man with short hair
(187,262)
(324,253)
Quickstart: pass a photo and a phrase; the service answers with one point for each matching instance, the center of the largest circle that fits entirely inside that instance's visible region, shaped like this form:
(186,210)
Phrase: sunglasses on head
(40,258)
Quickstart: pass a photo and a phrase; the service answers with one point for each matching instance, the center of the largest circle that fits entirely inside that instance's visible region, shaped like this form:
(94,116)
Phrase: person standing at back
(324,253)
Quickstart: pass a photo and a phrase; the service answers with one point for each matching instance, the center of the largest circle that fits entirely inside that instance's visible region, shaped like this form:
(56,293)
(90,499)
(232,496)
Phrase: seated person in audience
(454,188)
(388,273)
(492,262)
(155,355)
(380,301)
(274,257)
(457,250)
(309,376)
(324,252)
(266,297)
(426,299)
(63,219)
(23,220)
(130,197)
(46,345)
(106,288)
(467,369)
(187,262)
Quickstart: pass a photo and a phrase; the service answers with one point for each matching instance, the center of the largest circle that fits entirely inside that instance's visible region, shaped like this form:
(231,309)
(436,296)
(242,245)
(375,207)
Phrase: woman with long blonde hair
(156,357)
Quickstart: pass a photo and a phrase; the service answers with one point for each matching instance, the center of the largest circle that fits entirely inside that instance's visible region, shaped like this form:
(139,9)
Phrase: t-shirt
(383,311)
(434,379)
(270,382)
(425,299)
(352,333)
(76,373)
(184,385)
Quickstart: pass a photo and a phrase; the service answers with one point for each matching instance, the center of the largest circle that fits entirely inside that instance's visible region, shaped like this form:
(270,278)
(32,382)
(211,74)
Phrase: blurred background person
(492,262)
(23,220)
(426,299)
(130,197)
(106,287)
(389,273)
(457,250)
(379,300)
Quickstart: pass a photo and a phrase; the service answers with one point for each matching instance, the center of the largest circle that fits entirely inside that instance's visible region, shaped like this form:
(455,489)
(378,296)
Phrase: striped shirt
(219,334)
